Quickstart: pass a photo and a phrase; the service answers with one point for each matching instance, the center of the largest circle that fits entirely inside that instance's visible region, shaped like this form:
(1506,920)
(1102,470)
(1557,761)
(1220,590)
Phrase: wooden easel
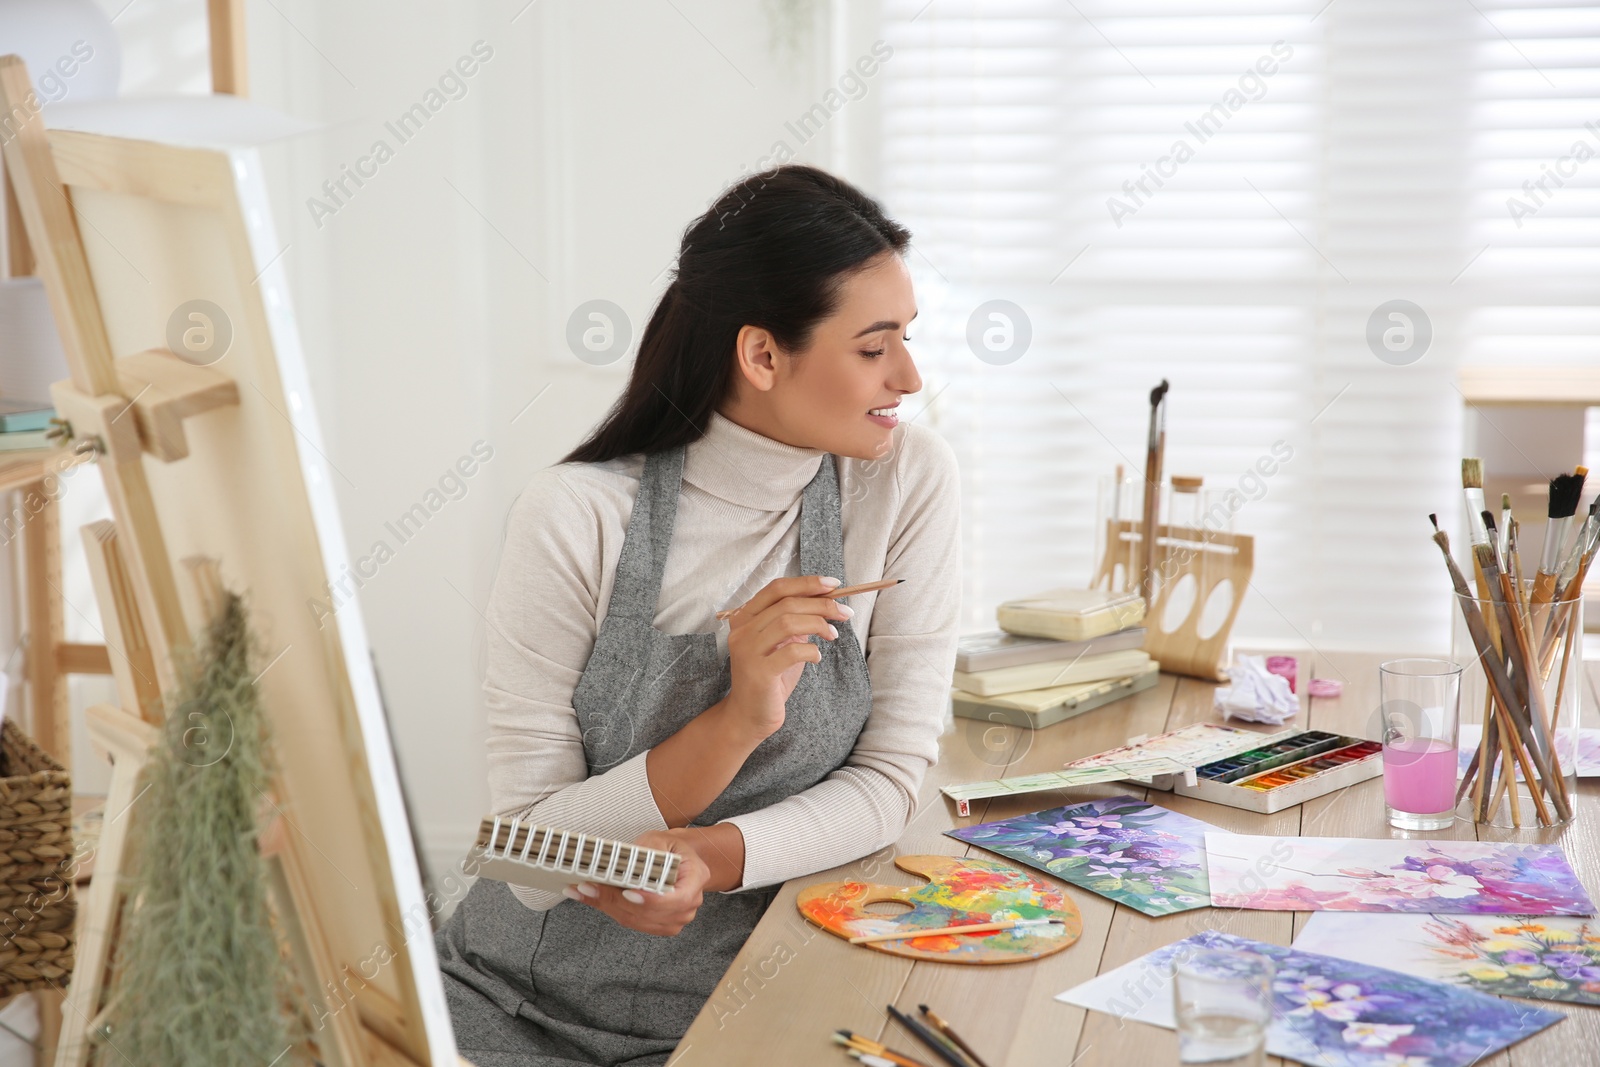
(124,409)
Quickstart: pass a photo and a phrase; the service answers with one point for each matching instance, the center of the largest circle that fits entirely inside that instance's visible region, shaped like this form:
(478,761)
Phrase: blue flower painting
(1335,1013)
(1122,848)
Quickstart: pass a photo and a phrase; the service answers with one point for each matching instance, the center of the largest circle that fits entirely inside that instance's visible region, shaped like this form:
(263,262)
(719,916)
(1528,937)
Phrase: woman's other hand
(663,914)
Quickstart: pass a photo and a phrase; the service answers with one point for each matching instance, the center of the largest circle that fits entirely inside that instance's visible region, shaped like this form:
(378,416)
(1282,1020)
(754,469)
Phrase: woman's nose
(905,378)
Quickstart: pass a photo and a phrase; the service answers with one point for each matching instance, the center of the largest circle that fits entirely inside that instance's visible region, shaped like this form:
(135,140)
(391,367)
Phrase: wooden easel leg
(50,721)
(49,1022)
(19,255)
(127,741)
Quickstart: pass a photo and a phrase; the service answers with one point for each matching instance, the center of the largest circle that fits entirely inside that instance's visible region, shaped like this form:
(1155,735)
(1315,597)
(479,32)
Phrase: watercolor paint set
(1285,771)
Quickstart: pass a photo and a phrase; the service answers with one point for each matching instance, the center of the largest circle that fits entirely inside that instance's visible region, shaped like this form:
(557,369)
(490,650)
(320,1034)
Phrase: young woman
(755,461)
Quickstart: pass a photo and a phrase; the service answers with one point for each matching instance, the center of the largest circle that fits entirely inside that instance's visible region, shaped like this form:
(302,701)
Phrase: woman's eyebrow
(881,324)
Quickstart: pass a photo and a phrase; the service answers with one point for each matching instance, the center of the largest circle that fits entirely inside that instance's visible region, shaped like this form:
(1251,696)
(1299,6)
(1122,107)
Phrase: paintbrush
(1505,518)
(874,1048)
(970,928)
(1534,726)
(1565,491)
(1582,545)
(1478,533)
(1569,594)
(954,1038)
(1481,759)
(1569,582)
(1472,490)
(1529,742)
(940,1047)
(1155,449)
(868,1058)
(1494,669)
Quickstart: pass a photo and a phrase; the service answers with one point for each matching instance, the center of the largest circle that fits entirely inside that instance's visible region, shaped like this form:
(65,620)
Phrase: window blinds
(1234,201)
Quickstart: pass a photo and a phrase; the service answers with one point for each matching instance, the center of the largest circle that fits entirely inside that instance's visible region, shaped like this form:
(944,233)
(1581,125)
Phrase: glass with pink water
(1421,709)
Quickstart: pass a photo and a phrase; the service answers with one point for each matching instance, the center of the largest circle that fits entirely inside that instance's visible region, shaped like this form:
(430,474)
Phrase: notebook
(996,648)
(21,415)
(1004,680)
(1038,708)
(1071,614)
(544,857)
(24,415)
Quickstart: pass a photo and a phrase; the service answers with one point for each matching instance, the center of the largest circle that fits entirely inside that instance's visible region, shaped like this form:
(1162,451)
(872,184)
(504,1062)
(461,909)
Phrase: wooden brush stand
(1194,566)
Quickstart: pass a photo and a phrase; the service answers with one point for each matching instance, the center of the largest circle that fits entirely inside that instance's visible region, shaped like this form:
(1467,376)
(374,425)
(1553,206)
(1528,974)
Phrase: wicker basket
(36,866)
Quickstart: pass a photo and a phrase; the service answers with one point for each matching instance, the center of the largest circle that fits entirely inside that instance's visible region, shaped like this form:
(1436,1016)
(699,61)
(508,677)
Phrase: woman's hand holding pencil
(769,644)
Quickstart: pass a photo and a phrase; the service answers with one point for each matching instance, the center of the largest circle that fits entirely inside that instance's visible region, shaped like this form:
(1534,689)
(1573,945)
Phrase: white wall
(434,300)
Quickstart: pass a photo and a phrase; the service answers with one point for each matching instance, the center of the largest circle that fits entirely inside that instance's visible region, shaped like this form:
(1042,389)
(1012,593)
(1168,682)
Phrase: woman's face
(842,393)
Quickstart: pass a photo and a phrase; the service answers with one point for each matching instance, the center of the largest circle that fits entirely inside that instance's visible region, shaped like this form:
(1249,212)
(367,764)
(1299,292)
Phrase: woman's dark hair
(774,251)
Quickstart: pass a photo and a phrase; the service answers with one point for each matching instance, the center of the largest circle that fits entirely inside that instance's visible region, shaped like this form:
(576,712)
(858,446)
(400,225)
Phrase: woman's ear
(755,350)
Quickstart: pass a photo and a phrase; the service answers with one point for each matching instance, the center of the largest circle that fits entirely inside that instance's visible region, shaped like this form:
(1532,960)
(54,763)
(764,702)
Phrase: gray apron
(571,986)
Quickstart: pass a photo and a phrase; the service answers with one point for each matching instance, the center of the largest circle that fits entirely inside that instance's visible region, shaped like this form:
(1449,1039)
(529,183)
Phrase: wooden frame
(226,462)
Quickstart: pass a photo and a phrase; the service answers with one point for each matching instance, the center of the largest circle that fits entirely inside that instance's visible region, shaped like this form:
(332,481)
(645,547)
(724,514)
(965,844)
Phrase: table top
(794,984)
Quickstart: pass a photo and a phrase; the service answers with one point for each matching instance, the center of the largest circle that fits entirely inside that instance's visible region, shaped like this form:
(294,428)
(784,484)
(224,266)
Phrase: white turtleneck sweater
(737,528)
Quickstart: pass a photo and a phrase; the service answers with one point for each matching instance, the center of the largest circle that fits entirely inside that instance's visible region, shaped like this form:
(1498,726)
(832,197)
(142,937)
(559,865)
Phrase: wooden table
(793,984)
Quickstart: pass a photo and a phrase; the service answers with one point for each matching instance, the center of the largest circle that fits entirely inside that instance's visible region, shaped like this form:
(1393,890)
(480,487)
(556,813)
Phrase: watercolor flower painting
(1333,1012)
(1539,957)
(1585,757)
(1353,874)
(1122,848)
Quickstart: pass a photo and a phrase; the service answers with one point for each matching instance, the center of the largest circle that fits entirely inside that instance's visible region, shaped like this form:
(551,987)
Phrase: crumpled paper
(1255,694)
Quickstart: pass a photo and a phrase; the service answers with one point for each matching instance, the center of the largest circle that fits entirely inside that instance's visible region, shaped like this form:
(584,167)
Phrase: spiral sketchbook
(544,857)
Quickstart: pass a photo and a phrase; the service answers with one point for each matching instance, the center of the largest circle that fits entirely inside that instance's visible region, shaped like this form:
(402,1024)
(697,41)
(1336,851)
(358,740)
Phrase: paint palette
(958,892)
(1288,771)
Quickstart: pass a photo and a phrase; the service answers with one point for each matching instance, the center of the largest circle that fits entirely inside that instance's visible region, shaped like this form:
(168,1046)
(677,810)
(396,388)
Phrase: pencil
(942,1048)
(955,1038)
(842,591)
(970,928)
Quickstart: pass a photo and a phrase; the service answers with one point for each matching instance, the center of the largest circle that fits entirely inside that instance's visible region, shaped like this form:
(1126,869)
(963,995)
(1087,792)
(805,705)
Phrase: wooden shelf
(19,469)
(1531,385)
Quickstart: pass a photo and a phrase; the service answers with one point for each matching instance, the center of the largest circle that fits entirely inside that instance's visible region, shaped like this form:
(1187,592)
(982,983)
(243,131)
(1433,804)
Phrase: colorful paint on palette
(959,892)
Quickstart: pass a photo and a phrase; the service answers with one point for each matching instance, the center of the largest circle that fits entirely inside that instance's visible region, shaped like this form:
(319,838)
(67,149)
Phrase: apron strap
(636,593)
(637,590)
(821,530)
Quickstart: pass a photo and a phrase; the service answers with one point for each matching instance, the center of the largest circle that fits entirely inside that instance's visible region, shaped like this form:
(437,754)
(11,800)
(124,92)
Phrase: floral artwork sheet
(1356,874)
(1331,1012)
(1587,758)
(1539,957)
(1122,848)
(1192,746)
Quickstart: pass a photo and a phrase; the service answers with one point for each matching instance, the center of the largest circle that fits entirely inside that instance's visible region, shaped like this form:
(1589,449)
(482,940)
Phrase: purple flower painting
(1352,874)
(1332,1012)
(1122,848)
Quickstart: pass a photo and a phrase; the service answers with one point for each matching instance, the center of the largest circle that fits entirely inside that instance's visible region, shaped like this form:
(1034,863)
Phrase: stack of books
(23,425)
(1055,656)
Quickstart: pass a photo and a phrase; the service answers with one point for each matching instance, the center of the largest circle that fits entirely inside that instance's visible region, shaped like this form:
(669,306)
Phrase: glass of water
(1224,1003)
